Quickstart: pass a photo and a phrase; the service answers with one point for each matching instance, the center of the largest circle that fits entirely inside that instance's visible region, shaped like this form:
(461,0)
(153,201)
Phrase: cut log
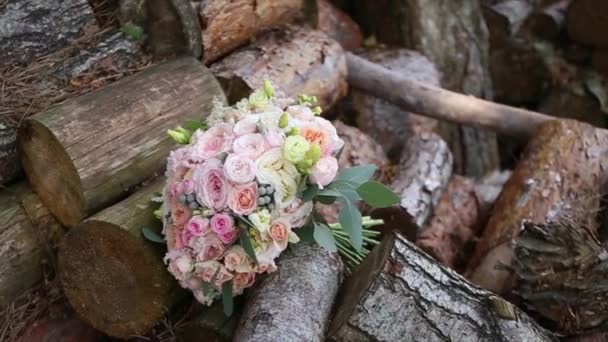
(294,303)
(562,165)
(9,159)
(88,152)
(454,226)
(32,28)
(587,22)
(172,27)
(27,234)
(423,173)
(211,323)
(297,60)
(383,121)
(399,293)
(114,279)
(338,26)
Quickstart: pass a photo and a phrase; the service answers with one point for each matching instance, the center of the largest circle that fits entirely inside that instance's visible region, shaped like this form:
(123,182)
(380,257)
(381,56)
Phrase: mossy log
(297,60)
(383,121)
(587,22)
(562,167)
(399,293)
(338,25)
(27,235)
(114,279)
(294,303)
(88,152)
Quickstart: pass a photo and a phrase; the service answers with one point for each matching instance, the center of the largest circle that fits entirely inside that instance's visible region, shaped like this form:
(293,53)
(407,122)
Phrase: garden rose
(208,247)
(178,162)
(267,255)
(206,270)
(186,235)
(243,198)
(260,220)
(208,144)
(236,259)
(204,298)
(324,171)
(247,125)
(242,281)
(285,189)
(222,223)
(279,232)
(297,212)
(211,186)
(179,212)
(180,264)
(300,112)
(228,237)
(251,145)
(275,137)
(187,186)
(239,168)
(295,148)
(198,226)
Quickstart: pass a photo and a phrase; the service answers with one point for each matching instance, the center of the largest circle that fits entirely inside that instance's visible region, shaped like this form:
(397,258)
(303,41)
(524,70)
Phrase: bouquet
(242,188)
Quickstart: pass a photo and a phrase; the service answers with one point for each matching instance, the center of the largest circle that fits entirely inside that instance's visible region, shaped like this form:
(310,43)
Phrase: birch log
(88,152)
(114,279)
(296,60)
(294,303)
(401,294)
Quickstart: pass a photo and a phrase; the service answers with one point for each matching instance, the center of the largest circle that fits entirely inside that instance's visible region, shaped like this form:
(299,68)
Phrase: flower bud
(284,120)
(179,137)
(268,89)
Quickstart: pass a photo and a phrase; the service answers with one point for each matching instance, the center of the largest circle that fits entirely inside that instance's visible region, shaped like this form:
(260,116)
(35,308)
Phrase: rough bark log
(9,159)
(399,293)
(458,45)
(173,28)
(31,28)
(546,23)
(561,267)
(564,103)
(383,121)
(423,173)
(297,60)
(212,323)
(562,166)
(505,18)
(27,234)
(338,26)
(294,303)
(114,279)
(449,234)
(439,103)
(587,22)
(59,325)
(78,163)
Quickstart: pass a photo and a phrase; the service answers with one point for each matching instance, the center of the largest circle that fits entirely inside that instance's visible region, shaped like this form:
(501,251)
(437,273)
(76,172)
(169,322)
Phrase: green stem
(350,252)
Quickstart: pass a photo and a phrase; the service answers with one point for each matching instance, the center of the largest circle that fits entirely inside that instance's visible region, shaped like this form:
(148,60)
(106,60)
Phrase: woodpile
(472,252)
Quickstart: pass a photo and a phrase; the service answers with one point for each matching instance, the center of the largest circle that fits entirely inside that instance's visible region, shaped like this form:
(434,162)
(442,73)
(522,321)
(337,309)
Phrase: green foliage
(151,235)
(323,236)
(134,32)
(247,245)
(350,219)
(377,194)
(227,299)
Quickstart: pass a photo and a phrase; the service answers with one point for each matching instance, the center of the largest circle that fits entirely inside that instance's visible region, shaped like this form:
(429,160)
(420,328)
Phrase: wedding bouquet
(242,188)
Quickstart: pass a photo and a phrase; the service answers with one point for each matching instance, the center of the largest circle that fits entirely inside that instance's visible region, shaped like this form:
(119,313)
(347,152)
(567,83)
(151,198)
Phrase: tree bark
(27,233)
(338,26)
(78,163)
(399,293)
(565,103)
(449,234)
(505,18)
(587,22)
(561,168)
(173,28)
(114,279)
(487,190)
(31,28)
(423,173)
(547,23)
(294,303)
(383,121)
(296,59)
(9,159)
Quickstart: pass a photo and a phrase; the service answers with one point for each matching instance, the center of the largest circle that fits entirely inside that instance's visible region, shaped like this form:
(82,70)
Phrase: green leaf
(209,286)
(377,195)
(324,237)
(357,174)
(246,243)
(227,299)
(326,199)
(350,219)
(310,193)
(134,32)
(193,125)
(151,235)
(306,233)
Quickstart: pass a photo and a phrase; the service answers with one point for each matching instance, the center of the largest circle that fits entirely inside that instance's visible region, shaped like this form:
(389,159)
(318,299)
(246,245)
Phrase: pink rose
(279,232)
(211,186)
(206,270)
(210,143)
(241,281)
(222,223)
(324,171)
(208,247)
(297,212)
(275,137)
(251,145)
(243,198)
(236,259)
(198,226)
(181,264)
(188,186)
(239,168)
(247,125)
(228,237)
(323,133)
(186,235)
(266,258)
(176,188)
(191,283)
(300,112)
(179,212)
(178,162)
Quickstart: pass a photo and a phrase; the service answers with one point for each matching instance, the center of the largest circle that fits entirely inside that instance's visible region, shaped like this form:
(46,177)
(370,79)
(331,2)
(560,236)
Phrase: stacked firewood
(472,253)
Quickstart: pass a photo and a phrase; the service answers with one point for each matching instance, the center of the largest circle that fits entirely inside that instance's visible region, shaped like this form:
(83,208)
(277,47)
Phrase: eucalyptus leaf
(306,233)
(227,299)
(324,237)
(326,199)
(209,286)
(151,235)
(377,195)
(357,174)
(247,246)
(350,219)
(310,193)
(193,125)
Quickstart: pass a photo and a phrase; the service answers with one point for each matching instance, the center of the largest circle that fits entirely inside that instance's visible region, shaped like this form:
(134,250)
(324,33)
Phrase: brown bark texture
(400,293)
(297,60)
(338,25)
(294,303)
(565,103)
(587,22)
(561,168)
(383,121)
(547,22)
(88,152)
(9,158)
(454,225)
(172,27)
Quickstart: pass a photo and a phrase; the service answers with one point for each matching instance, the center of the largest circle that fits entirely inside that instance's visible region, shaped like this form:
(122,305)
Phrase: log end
(108,278)
(51,173)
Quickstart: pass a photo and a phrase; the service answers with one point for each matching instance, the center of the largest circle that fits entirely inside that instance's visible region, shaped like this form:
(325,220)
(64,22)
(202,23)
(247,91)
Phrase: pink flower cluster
(240,179)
